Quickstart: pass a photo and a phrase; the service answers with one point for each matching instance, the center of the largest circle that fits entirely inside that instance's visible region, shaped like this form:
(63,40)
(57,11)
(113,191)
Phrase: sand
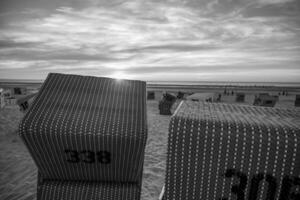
(18,171)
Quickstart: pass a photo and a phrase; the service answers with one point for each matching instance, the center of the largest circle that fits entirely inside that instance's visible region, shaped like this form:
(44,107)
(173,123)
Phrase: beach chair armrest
(161,196)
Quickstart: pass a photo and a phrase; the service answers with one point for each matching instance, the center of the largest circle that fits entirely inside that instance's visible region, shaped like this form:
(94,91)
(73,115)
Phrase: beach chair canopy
(180,95)
(169,97)
(223,151)
(201,97)
(82,128)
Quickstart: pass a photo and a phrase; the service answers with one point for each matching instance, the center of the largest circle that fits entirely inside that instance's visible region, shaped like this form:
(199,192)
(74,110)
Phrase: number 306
(288,183)
(86,156)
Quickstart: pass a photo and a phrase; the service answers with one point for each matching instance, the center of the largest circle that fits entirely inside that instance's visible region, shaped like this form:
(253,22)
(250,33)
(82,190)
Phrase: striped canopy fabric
(222,151)
(83,128)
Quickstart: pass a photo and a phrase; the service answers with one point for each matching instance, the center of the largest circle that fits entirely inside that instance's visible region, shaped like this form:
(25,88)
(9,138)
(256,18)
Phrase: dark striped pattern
(88,115)
(207,139)
(87,190)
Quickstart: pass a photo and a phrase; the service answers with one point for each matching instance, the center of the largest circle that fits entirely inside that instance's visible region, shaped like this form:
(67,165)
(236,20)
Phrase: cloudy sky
(176,40)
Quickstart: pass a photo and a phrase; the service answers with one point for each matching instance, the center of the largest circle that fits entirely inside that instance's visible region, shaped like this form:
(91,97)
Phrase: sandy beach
(18,173)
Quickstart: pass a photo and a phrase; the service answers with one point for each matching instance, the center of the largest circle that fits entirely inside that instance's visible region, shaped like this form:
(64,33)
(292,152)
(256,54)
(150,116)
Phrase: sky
(152,40)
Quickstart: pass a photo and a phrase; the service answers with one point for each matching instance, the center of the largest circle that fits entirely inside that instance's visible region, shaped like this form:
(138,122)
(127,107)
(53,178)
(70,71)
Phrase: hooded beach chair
(25,102)
(240,97)
(166,104)
(264,99)
(87,136)
(297,101)
(223,151)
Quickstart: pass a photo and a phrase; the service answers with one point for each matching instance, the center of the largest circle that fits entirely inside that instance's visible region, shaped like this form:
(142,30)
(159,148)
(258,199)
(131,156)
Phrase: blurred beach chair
(87,136)
(223,151)
(150,95)
(180,95)
(208,97)
(266,100)
(297,101)
(169,97)
(166,104)
(165,107)
(2,101)
(240,97)
(25,102)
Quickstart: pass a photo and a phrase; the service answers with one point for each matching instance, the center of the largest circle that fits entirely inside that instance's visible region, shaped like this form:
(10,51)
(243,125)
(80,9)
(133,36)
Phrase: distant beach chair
(180,95)
(208,97)
(25,102)
(165,107)
(240,97)
(297,101)
(87,136)
(150,95)
(266,100)
(219,98)
(166,104)
(17,91)
(223,151)
(169,97)
(2,101)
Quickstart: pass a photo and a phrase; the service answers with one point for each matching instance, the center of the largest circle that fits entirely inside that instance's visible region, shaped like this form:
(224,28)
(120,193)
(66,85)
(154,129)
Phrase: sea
(187,83)
(219,83)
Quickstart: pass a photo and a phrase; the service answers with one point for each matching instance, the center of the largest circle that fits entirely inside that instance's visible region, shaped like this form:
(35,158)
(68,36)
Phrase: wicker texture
(211,146)
(82,128)
(165,107)
(87,190)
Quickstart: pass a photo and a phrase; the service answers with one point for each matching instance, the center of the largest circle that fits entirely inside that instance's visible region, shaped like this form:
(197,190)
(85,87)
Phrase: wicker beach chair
(297,100)
(165,107)
(222,151)
(87,136)
(240,97)
(150,95)
(166,104)
(264,99)
(25,102)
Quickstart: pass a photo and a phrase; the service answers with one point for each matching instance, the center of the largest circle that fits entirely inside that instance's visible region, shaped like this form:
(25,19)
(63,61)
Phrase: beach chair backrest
(87,128)
(222,151)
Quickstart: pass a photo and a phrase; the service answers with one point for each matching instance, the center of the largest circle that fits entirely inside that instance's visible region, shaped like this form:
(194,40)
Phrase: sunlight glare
(119,75)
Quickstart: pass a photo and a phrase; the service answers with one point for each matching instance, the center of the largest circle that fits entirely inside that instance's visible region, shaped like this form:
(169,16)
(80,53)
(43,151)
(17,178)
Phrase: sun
(119,75)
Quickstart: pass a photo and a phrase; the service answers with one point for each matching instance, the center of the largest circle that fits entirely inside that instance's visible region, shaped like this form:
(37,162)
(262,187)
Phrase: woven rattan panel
(83,190)
(87,128)
(221,151)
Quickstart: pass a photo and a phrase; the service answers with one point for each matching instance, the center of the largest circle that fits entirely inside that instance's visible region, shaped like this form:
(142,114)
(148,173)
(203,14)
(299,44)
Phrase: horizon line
(162,81)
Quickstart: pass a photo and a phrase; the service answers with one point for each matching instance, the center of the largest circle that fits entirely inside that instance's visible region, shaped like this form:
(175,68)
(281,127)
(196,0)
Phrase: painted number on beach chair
(238,190)
(288,184)
(86,156)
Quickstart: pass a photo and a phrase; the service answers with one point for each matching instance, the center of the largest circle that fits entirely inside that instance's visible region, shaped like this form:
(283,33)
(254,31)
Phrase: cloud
(141,38)
(274,1)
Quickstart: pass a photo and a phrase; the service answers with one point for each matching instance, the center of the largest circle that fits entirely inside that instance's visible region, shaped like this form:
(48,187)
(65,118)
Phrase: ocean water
(209,83)
(250,84)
